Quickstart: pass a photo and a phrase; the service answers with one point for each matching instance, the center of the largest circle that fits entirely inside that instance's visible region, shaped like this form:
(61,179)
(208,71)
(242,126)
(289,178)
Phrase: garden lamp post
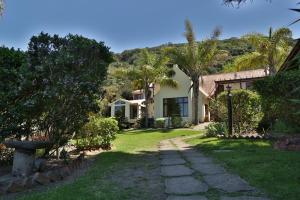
(229,107)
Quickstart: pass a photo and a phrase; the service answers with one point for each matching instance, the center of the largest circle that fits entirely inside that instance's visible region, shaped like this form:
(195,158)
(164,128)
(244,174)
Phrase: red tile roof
(208,85)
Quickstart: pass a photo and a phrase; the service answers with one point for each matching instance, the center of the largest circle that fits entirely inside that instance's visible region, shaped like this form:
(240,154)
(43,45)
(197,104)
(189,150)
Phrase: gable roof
(208,82)
(287,63)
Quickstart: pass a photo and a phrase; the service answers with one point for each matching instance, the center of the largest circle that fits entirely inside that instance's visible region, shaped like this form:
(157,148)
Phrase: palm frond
(168,82)
(1,7)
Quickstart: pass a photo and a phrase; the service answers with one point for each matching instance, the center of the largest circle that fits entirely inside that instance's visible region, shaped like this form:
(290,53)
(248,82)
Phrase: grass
(275,172)
(129,148)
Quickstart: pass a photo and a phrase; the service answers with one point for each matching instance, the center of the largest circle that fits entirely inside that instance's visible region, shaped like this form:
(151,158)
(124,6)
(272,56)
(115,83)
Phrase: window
(133,111)
(175,107)
(120,109)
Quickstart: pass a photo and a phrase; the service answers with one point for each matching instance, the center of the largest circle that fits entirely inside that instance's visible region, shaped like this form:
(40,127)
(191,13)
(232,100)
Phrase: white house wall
(183,90)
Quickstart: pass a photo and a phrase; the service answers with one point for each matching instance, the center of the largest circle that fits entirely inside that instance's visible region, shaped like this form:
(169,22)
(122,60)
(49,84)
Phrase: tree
(1,7)
(195,59)
(270,52)
(59,86)
(238,2)
(150,69)
(11,66)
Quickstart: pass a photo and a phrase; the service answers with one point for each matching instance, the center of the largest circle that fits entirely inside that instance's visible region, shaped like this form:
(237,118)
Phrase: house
(289,62)
(167,101)
(129,109)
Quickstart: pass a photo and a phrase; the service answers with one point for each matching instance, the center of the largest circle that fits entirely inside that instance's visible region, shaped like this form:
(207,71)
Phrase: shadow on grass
(273,171)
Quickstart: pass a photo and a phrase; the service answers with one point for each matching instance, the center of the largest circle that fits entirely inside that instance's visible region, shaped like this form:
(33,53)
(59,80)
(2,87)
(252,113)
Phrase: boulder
(65,171)
(40,178)
(15,186)
(40,164)
(54,176)
(28,182)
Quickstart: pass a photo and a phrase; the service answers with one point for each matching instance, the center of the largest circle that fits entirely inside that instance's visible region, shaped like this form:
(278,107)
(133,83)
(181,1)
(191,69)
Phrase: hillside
(232,47)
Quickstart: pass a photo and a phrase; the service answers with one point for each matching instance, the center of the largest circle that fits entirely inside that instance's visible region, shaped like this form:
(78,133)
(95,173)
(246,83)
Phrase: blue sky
(127,24)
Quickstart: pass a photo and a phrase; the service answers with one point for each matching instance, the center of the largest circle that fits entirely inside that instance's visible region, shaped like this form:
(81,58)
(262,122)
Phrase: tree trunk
(146,90)
(196,99)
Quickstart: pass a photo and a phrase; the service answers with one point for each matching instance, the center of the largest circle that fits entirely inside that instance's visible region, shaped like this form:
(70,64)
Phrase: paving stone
(169,152)
(208,168)
(176,170)
(244,198)
(170,156)
(192,197)
(199,159)
(227,182)
(184,185)
(172,161)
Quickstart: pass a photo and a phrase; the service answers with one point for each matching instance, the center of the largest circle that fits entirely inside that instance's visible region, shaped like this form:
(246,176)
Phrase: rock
(53,176)
(65,171)
(40,164)
(15,186)
(28,182)
(40,178)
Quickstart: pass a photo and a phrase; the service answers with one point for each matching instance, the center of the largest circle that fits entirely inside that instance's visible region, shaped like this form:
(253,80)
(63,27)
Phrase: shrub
(6,155)
(141,123)
(216,128)
(176,122)
(280,98)
(246,108)
(160,122)
(187,124)
(97,133)
(123,122)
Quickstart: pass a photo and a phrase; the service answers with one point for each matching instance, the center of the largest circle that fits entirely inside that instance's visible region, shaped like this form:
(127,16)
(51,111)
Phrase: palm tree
(1,7)
(150,69)
(194,59)
(270,52)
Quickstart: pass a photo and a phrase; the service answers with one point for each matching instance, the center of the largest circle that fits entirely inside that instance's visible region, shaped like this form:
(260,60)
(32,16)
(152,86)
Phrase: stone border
(19,184)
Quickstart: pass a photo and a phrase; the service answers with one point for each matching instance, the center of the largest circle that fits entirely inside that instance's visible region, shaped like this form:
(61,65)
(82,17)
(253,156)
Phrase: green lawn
(277,173)
(129,150)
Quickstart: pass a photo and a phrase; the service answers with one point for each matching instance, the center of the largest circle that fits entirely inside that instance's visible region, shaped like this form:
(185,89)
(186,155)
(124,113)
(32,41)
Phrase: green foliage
(121,119)
(195,59)
(217,128)
(57,88)
(97,133)
(150,69)
(280,97)
(270,51)
(176,121)
(12,66)
(160,122)
(229,49)
(6,155)
(246,106)
(282,127)
(1,7)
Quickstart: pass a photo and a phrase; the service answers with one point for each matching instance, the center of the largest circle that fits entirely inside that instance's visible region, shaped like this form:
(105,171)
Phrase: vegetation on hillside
(232,48)
(270,51)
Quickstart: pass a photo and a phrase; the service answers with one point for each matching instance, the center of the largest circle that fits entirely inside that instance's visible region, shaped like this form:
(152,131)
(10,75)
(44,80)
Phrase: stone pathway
(190,175)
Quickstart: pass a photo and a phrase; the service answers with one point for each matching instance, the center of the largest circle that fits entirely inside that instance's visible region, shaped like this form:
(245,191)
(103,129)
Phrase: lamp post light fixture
(229,107)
